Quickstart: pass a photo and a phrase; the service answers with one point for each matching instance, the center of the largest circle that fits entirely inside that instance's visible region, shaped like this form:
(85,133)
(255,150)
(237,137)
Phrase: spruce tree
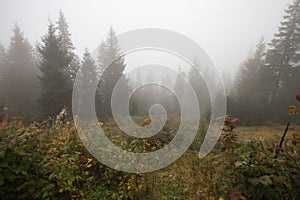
(88,71)
(199,86)
(109,51)
(53,79)
(250,87)
(282,59)
(20,84)
(67,45)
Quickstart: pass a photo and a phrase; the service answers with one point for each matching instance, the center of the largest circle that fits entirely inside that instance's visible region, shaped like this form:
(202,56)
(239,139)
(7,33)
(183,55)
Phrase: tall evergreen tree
(282,59)
(249,91)
(19,81)
(67,45)
(200,88)
(110,51)
(53,79)
(88,71)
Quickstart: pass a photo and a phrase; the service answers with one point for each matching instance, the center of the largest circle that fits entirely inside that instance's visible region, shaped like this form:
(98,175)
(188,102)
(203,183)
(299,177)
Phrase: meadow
(48,161)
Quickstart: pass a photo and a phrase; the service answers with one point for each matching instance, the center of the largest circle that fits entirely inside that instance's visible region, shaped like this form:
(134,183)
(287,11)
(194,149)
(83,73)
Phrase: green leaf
(24,172)
(238,163)
(265,180)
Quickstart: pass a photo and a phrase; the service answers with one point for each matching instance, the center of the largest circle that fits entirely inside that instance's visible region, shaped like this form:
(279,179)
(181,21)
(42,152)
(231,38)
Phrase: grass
(191,178)
(187,178)
(266,134)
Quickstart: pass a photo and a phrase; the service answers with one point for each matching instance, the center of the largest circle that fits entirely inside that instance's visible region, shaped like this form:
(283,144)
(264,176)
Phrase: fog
(227,30)
(136,99)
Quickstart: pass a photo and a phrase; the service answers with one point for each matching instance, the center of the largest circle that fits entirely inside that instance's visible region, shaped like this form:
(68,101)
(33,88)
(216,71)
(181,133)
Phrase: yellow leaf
(89,165)
(293,110)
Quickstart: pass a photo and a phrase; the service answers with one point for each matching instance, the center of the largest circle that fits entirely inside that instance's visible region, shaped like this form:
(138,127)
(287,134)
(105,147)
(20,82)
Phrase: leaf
(293,110)
(24,172)
(265,180)
(238,163)
(70,180)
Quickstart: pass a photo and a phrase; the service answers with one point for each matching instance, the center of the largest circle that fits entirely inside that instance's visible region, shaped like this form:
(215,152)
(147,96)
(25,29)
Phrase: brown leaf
(146,122)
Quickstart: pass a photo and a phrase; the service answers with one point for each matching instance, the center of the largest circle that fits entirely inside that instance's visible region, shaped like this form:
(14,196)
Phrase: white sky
(226,29)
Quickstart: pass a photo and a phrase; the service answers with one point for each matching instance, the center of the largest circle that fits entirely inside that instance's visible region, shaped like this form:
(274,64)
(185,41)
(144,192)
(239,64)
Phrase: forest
(43,157)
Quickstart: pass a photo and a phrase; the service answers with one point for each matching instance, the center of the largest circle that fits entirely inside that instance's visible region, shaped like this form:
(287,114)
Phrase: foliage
(53,81)
(19,84)
(48,161)
(270,77)
(111,67)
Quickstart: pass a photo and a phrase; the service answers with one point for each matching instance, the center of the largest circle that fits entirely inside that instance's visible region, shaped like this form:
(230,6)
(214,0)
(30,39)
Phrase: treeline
(269,79)
(37,82)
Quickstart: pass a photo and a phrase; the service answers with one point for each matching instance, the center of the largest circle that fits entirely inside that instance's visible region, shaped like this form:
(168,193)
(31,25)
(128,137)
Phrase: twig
(282,139)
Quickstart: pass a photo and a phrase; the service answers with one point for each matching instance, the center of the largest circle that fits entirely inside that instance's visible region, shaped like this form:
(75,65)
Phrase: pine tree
(250,87)
(19,81)
(89,74)
(282,59)
(109,51)
(67,45)
(53,79)
(200,88)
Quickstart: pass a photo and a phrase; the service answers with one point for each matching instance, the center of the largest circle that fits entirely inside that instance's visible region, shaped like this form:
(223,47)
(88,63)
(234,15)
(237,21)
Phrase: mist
(135,100)
(227,30)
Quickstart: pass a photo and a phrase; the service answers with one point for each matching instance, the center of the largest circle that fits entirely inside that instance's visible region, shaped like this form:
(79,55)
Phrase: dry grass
(184,180)
(266,134)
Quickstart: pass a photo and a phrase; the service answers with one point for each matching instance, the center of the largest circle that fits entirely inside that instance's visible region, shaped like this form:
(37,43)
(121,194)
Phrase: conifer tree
(199,86)
(54,82)
(89,74)
(20,84)
(109,51)
(282,59)
(250,87)
(67,45)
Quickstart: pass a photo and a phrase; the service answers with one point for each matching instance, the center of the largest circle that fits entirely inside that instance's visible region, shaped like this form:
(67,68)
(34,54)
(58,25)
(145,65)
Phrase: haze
(227,30)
